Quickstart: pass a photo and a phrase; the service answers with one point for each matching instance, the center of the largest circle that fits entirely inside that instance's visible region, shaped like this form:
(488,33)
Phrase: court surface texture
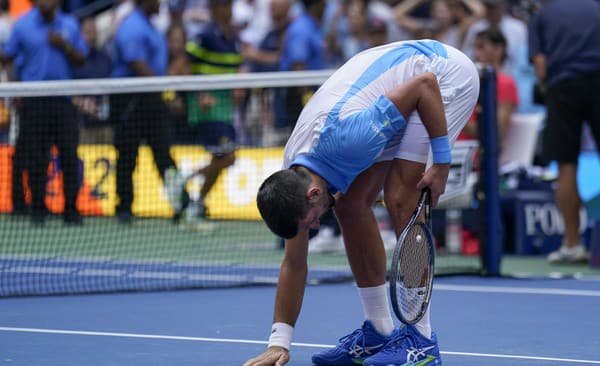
(479,321)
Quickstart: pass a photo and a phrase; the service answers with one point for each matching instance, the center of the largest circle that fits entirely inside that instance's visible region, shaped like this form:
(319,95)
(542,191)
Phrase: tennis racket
(411,278)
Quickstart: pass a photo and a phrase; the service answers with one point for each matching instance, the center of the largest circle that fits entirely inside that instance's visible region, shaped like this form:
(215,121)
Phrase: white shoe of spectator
(326,241)
(389,240)
(566,255)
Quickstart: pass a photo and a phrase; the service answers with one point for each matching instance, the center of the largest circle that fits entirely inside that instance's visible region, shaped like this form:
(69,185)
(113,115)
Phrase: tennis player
(369,127)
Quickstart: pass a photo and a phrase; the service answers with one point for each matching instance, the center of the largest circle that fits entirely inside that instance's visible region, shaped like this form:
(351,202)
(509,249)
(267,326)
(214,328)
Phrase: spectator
(140,51)
(440,24)
(347,31)
(490,49)
(357,39)
(215,50)
(265,57)
(303,49)
(465,13)
(47,44)
(565,49)
(93,111)
(377,32)
(6,22)
(513,29)
(179,64)
(5,29)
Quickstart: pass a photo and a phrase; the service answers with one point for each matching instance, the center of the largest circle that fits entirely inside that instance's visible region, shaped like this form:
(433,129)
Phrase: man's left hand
(435,178)
(56,39)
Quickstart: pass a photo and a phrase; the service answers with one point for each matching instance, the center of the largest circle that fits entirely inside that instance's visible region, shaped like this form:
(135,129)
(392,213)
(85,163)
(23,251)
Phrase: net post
(488,191)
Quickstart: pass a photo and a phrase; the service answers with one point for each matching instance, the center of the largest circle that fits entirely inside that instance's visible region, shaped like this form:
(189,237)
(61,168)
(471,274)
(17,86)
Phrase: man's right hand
(272,356)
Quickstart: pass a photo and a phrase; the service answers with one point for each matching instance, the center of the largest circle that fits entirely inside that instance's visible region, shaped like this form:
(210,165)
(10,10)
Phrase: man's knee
(222,161)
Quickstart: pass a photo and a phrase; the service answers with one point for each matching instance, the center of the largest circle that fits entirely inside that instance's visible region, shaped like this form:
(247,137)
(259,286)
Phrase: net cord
(162,83)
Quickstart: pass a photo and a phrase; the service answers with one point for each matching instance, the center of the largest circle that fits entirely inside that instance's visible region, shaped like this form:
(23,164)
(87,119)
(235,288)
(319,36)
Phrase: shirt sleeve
(13,44)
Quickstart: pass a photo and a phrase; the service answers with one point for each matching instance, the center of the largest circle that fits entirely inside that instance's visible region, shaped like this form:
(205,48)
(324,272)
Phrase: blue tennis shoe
(407,347)
(353,348)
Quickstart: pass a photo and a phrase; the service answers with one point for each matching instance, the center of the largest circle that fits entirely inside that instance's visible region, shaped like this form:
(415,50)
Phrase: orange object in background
(55,199)
(19,7)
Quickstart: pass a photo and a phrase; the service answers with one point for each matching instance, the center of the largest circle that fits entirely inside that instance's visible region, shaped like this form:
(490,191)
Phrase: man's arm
(422,93)
(73,54)
(141,68)
(288,301)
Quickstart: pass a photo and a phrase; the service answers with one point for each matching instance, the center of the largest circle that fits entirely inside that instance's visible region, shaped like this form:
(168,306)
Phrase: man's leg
(401,196)
(213,169)
(366,255)
(363,242)
(567,106)
(415,345)
(67,141)
(569,203)
(127,139)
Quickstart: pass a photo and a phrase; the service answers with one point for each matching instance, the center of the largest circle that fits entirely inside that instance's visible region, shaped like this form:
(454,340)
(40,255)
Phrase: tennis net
(107,149)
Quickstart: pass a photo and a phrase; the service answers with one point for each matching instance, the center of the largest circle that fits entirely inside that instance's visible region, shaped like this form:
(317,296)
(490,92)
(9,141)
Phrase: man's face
(47,6)
(88,31)
(486,52)
(494,13)
(152,6)
(280,9)
(221,13)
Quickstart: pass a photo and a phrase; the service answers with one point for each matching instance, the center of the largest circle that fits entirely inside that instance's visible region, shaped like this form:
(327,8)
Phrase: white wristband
(281,335)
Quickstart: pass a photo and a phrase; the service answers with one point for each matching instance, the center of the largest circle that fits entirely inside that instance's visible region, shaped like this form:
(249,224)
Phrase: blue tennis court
(479,321)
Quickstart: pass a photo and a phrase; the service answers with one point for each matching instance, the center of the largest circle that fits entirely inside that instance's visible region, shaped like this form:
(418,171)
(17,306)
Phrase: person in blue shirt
(47,45)
(564,45)
(140,50)
(303,48)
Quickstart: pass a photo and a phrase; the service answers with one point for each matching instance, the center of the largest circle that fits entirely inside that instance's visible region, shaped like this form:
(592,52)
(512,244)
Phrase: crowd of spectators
(191,37)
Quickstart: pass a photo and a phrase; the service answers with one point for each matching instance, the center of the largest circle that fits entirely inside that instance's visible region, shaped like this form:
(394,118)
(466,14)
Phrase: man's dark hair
(492,35)
(308,3)
(282,202)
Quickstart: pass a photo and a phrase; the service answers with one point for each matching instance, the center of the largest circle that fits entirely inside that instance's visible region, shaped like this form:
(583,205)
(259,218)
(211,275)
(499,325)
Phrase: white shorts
(459,87)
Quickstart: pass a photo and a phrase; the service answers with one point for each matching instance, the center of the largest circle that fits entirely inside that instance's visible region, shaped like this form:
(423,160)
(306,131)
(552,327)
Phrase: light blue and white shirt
(349,122)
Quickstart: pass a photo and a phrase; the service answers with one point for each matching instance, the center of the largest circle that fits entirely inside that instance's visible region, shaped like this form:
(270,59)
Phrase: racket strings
(414,273)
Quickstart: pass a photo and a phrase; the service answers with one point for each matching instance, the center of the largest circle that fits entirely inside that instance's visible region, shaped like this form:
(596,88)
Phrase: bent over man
(369,127)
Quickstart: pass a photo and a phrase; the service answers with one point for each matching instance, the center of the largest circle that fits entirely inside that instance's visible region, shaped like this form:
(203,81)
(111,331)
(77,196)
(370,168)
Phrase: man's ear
(313,193)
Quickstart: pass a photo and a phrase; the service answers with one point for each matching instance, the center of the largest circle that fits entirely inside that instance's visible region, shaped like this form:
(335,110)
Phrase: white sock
(424,325)
(376,308)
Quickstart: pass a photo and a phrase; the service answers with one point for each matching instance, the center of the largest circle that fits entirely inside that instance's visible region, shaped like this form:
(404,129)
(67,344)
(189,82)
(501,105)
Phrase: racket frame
(424,204)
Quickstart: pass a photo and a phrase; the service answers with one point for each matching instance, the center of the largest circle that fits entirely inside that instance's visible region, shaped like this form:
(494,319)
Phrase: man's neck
(314,177)
(48,16)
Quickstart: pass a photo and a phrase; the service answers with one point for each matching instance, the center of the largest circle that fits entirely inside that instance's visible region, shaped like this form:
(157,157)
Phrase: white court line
(517,290)
(248,341)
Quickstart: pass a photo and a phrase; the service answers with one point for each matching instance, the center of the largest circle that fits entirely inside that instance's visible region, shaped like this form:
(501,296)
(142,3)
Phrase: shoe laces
(351,340)
(399,341)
